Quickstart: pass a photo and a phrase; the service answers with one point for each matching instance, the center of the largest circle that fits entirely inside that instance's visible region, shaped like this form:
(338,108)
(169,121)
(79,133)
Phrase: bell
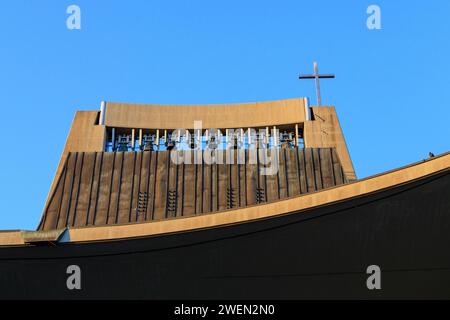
(123,147)
(170,145)
(212,143)
(236,143)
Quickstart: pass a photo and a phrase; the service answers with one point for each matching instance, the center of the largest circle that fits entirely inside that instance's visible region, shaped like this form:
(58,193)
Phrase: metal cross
(317,76)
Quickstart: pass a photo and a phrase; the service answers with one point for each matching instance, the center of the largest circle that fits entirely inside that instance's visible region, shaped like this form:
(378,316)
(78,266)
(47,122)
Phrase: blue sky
(391,92)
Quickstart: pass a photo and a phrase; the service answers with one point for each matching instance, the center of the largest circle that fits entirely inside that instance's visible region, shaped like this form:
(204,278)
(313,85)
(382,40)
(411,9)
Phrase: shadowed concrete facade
(108,188)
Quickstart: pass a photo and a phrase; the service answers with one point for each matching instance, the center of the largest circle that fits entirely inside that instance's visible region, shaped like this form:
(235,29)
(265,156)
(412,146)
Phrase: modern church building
(230,201)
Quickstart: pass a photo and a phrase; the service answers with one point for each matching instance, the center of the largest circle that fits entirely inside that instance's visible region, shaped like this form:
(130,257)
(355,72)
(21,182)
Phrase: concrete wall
(84,135)
(220,116)
(325,132)
(117,188)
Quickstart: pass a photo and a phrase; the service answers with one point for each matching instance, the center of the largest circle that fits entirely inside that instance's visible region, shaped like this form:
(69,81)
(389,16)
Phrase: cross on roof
(317,76)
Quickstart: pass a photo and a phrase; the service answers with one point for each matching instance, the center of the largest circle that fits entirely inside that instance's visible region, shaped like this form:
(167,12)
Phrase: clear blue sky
(391,92)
